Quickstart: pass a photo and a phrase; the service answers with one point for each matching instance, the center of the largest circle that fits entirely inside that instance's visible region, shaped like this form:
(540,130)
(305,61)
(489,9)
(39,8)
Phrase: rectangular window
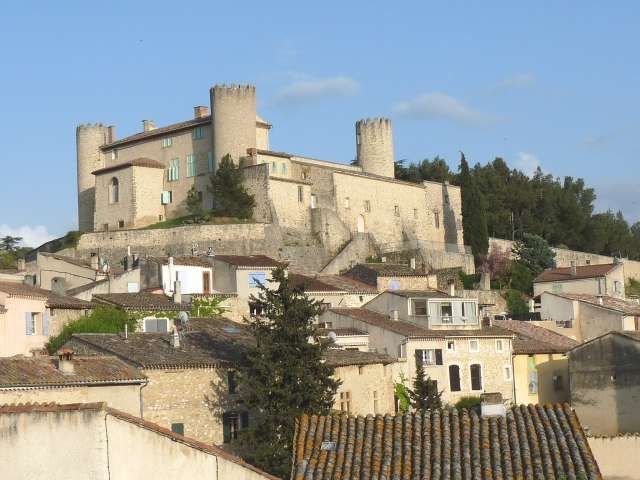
(232,423)
(30,323)
(165,198)
(274,167)
(345,402)
(177,428)
(198,133)
(167,142)
(476,377)
(367,206)
(474,345)
(45,323)
(432,356)
(507,373)
(532,374)
(419,307)
(468,310)
(396,210)
(191,165)
(436,219)
(499,346)
(256,278)
(283,168)
(209,162)
(156,325)
(558,385)
(114,154)
(120,223)
(314,201)
(173,173)
(415,213)
(454,378)
(451,346)
(446,312)
(300,194)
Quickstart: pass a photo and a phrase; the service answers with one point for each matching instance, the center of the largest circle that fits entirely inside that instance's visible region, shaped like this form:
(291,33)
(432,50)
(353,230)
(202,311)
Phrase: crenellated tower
(89,139)
(374,146)
(233,114)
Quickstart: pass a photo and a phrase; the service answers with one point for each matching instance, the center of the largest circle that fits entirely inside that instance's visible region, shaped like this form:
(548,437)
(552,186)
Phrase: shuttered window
(29,323)
(45,324)
(454,378)
(191,165)
(429,357)
(476,377)
(210,162)
(156,325)
(173,173)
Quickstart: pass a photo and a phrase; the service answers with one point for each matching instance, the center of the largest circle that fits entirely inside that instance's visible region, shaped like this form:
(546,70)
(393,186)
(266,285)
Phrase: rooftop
(52,300)
(531,338)
(311,284)
(27,372)
(136,162)
(347,284)
(411,330)
(186,261)
(529,443)
(337,357)
(627,307)
(582,272)
(431,293)
(141,301)
(369,272)
(249,261)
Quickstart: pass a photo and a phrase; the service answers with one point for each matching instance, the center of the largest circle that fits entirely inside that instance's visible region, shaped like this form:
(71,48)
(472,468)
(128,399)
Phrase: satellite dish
(332,336)
(183,317)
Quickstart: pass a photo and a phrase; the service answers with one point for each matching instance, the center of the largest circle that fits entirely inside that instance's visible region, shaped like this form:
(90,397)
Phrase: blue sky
(555,84)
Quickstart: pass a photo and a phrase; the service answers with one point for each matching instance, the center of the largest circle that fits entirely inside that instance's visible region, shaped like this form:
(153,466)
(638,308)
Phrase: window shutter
(438,356)
(244,420)
(419,360)
(27,323)
(45,323)
(226,428)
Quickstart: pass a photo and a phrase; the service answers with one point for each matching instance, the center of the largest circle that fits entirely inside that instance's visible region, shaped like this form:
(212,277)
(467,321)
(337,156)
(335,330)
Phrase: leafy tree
(534,253)
(473,212)
(521,278)
(194,202)
(425,394)
(401,393)
(9,243)
(497,264)
(230,198)
(103,319)
(284,374)
(516,304)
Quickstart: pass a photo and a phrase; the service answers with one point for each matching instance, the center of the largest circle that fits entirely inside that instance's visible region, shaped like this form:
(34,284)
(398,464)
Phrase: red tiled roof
(337,357)
(531,442)
(140,301)
(310,284)
(52,300)
(534,339)
(249,261)
(136,162)
(158,132)
(584,271)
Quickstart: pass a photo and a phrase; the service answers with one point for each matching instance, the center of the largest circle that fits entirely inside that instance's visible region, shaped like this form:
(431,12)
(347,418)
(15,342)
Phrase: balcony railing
(454,320)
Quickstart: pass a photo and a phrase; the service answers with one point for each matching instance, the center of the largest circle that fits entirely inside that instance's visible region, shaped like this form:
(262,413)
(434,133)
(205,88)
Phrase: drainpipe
(141,401)
(513,374)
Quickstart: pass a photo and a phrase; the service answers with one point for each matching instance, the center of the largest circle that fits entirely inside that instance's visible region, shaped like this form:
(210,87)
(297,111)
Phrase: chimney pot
(200,111)
(65,361)
(148,125)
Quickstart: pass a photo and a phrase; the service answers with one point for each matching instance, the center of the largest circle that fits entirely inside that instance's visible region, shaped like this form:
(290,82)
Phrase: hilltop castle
(144,178)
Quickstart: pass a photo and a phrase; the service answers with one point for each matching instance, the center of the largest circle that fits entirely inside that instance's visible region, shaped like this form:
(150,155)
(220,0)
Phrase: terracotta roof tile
(529,443)
(158,132)
(49,407)
(311,284)
(583,271)
(250,261)
(22,372)
(136,162)
(141,301)
(534,339)
(337,357)
(628,307)
(347,284)
(52,300)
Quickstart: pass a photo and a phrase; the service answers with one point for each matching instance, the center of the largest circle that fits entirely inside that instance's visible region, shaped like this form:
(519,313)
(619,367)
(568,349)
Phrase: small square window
(367,206)
(167,142)
(177,428)
(120,223)
(558,384)
(499,346)
(507,373)
(451,346)
(396,210)
(474,345)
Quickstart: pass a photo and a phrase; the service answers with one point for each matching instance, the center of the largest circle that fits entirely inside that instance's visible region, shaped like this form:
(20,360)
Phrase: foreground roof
(141,301)
(531,338)
(583,271)
(337,357)
(369,272)
(311,284)
(411,330)
(136,162)
(628,307)
(250,261)
(52,300)
(541,442)
(26,372)
(348,284)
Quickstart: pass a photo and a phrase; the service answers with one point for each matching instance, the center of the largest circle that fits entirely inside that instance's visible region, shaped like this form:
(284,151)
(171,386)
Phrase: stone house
(350,339)
(604,377)
(392,276)
(159,310)
(540,365)
(524,442)
(91,440)
(606,279)
(194,273)
(334,290)
(585,316)
(30,315)
(440,332)
(68,378)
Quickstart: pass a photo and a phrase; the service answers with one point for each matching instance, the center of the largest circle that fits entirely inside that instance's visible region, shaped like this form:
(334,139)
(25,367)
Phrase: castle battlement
(233,90)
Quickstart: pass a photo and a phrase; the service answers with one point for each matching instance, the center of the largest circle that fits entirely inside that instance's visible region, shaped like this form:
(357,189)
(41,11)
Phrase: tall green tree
(9,243)
(474,220)
(230,198)
(425,394)
(284,374)
(532,255)
(194,202)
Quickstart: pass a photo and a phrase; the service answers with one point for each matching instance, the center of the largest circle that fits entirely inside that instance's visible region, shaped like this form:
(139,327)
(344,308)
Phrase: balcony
(443,321)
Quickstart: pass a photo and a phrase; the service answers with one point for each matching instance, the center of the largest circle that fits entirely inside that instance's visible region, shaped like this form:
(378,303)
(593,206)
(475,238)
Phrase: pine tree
(425,394)
(284,375)
(474,220)
(230,198)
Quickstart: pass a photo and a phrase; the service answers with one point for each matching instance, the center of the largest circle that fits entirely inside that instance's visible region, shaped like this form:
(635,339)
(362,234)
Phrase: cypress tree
(474,220)
(284,374)
(425,394)
(230,198)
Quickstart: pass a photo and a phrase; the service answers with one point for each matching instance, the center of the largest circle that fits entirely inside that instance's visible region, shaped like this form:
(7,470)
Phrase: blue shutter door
(45,323)
(27,323)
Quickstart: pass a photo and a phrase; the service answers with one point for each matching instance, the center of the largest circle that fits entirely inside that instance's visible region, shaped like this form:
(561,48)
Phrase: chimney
(95,261)
(452,289)
(175,339)
(148,125)
(177,292)
(200,111)
(111,133)
(394,315)
(22,264)
(491,405)
(412,263)
(65,361)
(600,300)
(574,269)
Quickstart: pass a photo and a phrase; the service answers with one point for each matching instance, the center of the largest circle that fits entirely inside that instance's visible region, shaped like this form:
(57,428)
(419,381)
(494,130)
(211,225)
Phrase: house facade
(605,279)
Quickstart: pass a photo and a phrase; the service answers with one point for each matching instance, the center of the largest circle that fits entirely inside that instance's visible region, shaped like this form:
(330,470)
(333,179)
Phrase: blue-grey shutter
(27,323)
(45,323)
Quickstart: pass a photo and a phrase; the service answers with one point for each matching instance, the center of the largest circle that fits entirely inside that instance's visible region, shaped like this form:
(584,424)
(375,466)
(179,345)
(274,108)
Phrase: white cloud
(32,236)
(437,105)
(302,91)
(527,163)
(520,80)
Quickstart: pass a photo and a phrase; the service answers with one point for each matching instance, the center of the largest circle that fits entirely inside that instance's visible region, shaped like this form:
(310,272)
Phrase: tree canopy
(230,198)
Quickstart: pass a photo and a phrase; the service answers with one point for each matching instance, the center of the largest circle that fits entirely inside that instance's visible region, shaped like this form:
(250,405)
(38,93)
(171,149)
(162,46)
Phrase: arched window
(454,378)
(114,190)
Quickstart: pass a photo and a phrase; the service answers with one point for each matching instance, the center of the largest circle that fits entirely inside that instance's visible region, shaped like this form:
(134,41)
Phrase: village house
(392,276)
(522,442)
(442,333)
(155,312)
(195,274)
(82,441)
(540,365)
(333,290)
(585,316)
(68,378)
(605,383)
(30,315)
(605,279)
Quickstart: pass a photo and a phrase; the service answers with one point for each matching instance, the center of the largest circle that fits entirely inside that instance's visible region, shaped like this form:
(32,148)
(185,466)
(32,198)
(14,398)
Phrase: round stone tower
(89,139)
(374,146)
(233,114)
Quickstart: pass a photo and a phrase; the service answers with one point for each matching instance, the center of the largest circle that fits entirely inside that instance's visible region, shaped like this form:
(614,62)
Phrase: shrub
(468,403)
(516,304)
